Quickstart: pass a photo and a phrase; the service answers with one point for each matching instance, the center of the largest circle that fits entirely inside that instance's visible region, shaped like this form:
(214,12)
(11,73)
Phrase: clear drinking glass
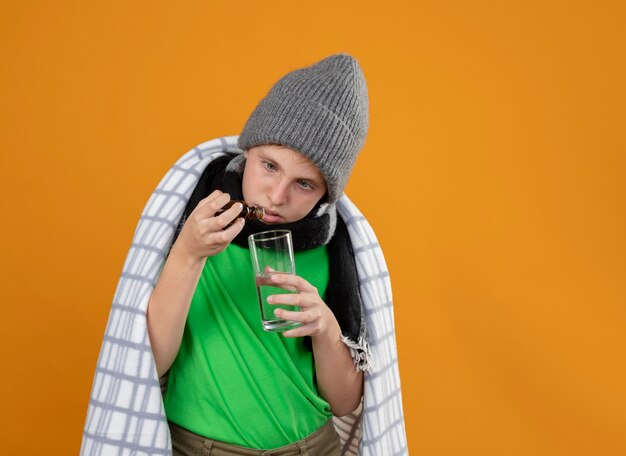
(271,253)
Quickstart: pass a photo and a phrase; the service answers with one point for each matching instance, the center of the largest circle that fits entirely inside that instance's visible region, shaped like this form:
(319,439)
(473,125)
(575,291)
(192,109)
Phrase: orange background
(494,176)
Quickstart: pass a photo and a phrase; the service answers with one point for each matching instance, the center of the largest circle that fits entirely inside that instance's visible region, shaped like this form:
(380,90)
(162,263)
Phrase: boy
(232,386)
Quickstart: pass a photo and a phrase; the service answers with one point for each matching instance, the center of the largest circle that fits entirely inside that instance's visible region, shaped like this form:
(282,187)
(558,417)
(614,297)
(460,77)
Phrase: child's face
(283,182)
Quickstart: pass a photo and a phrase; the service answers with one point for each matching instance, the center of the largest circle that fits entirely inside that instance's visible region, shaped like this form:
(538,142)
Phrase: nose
(278,193)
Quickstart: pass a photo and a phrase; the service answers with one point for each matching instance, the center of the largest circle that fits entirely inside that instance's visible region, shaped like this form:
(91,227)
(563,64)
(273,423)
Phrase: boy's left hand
(316,318)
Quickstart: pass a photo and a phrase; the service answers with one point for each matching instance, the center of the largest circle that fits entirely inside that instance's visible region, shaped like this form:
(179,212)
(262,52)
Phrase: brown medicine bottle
(247,212)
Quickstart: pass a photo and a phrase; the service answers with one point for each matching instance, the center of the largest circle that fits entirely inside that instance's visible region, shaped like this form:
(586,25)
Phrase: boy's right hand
(203,234)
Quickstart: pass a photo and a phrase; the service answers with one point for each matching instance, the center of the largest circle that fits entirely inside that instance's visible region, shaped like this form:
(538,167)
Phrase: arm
(202,236)
(339,382)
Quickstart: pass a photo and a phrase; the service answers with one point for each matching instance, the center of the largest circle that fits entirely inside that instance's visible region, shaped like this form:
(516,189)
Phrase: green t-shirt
(234,382)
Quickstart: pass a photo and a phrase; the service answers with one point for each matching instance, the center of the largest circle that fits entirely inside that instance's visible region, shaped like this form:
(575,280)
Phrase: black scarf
(342,292)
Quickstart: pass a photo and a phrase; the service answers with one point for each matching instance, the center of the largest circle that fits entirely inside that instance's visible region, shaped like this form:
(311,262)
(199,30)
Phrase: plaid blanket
(125,414)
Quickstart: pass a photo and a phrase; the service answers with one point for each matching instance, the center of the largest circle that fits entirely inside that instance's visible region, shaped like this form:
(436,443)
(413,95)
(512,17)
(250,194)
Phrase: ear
(245,154)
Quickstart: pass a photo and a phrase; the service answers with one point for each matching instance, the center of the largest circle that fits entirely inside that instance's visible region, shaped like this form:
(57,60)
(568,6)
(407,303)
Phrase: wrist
(330,337)
(185,258)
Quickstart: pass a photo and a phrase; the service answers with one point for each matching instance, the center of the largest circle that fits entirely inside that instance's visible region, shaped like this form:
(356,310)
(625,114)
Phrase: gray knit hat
(320,111)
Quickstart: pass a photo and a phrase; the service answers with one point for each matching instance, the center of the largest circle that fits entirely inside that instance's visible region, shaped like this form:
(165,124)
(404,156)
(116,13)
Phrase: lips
(271,216)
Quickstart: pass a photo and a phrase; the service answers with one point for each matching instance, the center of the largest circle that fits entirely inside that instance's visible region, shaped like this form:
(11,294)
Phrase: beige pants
(323,442)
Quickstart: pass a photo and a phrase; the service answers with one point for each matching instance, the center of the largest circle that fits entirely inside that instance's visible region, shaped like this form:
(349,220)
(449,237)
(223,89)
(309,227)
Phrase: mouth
(271,216)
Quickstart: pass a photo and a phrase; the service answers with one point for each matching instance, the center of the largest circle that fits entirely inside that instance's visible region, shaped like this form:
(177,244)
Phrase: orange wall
(493,175)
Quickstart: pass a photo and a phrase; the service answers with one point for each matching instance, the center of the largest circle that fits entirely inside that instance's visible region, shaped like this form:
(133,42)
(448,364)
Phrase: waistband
(203,445)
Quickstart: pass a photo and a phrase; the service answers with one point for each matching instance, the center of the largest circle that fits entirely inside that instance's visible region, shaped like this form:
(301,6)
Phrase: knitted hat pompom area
(322,111)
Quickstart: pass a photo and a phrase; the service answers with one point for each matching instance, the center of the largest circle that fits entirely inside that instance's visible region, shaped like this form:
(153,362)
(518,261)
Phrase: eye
(269,165)
(305,185)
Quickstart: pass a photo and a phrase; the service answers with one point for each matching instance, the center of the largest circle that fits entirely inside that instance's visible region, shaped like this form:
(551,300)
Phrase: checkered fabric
(126,415)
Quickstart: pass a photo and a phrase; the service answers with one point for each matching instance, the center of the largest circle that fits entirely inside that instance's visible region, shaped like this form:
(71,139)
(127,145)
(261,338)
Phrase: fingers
(217,235)
(292,280)
(303,317)
(210,205)
(309,324)
(311,314)
(206,210)
(314,321)
(289,299)
(204,233)
(215,196)
(302,330)
(226,218)
(233,230)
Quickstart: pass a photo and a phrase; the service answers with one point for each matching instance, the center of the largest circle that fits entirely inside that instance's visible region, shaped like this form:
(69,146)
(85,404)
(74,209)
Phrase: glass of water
(271,253)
